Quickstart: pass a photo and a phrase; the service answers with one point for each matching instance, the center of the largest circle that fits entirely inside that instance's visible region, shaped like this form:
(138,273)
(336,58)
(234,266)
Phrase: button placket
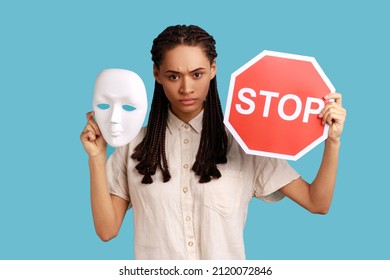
(186,195)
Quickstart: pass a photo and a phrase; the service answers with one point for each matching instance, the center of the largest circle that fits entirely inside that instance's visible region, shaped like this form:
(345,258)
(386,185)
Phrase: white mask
(120,105)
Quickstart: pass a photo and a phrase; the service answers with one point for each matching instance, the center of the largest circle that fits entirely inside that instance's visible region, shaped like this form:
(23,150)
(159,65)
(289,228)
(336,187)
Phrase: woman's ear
(156,74)
(213,69)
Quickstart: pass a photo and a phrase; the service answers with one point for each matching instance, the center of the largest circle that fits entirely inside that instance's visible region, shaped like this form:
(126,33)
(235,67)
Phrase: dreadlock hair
(213,143)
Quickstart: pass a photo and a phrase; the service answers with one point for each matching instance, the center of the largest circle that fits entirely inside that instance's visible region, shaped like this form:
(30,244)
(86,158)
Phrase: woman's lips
(188,101)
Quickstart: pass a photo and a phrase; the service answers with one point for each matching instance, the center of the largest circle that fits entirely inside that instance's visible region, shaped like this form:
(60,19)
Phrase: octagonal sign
(273,105)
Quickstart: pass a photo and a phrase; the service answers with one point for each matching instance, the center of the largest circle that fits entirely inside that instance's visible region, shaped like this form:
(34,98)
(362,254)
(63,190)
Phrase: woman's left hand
(334,115)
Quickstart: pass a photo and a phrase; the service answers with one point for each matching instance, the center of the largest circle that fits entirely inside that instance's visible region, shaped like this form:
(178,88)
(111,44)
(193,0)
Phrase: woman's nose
(186,86)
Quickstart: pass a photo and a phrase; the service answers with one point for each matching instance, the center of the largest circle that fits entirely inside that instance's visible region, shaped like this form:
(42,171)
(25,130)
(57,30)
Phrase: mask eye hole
(128,108)
(103,106)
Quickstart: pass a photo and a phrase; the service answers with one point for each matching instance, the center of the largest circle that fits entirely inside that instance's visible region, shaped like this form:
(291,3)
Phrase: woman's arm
(108,211)
(317,196)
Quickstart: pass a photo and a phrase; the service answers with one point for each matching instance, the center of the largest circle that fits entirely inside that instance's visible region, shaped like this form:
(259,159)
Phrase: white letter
(309,110)
(297,109)
(267,103)
(246,100)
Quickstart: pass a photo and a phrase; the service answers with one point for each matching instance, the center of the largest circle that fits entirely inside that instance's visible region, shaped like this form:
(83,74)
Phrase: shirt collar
(174,123)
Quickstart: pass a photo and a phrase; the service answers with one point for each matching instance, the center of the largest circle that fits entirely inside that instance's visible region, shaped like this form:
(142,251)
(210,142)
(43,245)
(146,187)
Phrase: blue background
(51,52)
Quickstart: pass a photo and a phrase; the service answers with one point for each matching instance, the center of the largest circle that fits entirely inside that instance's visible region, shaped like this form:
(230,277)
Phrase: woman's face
(185,75)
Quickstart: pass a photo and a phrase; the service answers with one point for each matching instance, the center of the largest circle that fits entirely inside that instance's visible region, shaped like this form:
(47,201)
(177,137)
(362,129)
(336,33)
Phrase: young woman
(188,181)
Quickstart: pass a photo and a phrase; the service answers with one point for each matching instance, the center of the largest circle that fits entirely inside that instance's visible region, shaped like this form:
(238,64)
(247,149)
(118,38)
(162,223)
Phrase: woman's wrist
(97,160)
(335,143)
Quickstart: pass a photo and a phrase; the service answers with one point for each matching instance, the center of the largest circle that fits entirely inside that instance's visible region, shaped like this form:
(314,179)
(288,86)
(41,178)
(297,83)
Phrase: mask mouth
(116,130)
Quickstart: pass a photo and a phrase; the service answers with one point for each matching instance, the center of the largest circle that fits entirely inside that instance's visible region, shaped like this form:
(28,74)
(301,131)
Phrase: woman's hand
(334,115)
(92,138)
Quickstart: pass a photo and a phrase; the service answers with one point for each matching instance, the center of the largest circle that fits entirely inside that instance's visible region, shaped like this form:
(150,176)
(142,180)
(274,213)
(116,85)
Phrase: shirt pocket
(223,194)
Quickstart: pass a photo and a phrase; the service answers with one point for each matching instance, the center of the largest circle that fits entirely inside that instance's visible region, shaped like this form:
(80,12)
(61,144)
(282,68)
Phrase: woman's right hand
(92,138)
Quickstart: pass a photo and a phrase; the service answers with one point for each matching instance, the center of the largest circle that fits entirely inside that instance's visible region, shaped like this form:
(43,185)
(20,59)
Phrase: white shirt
(183,219)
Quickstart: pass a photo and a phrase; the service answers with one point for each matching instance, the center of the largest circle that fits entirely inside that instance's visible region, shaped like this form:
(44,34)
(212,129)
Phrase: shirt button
(185,166)
(188,218)
(185,190)
(186,141)
(186,126)
(190,244)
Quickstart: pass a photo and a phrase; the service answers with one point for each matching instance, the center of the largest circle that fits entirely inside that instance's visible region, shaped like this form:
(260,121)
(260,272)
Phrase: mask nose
(116,114)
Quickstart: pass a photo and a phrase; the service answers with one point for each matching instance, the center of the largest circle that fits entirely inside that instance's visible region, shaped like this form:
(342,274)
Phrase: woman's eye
(174,77)
(128,108)
(103,106)
(198,75)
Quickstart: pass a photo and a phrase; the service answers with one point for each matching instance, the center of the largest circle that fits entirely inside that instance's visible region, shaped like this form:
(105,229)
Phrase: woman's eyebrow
(197,69)
(177,72)
(172,72)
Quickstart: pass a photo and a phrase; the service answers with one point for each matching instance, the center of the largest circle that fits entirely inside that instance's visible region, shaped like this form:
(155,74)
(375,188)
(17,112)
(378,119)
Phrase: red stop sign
(273,103)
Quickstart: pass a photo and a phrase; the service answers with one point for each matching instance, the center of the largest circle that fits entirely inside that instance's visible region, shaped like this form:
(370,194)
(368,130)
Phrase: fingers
(335,96)
(90,115)
(92,139)
(333,110)
(91,130)
(334,116)
(88,135)
(92,123)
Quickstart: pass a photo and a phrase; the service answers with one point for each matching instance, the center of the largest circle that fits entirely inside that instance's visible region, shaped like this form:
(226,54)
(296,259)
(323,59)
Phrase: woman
(188,181)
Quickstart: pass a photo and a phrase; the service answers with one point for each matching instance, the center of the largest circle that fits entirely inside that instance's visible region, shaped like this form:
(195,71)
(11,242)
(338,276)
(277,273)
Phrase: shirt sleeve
(116,170)
(272,175)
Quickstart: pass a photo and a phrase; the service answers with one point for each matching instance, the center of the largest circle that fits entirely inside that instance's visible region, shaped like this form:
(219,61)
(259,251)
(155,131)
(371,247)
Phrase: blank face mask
(120,105)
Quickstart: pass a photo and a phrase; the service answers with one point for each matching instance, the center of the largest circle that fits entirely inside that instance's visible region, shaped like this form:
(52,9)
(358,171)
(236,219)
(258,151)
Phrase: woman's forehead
(185,58)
